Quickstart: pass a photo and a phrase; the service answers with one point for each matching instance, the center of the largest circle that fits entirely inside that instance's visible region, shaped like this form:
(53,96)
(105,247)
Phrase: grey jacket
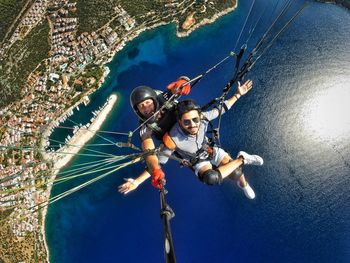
(187,145)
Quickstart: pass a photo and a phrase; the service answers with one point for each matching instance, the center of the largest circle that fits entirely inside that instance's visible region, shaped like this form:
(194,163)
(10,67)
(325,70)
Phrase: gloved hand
(175,86)
(243,89)
(158,178)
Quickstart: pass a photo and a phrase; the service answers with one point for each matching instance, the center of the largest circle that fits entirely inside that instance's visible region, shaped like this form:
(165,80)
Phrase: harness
(163,125)
(167,119)
(205,153)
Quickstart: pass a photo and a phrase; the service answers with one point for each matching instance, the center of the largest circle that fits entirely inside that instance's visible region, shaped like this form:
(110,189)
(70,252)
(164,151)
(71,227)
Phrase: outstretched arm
(131,184)
(241,90)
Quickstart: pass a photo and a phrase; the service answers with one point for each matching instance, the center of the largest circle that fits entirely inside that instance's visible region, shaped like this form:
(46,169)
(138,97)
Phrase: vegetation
(93,14)
(114,24)
(2,132)
(5,213)
(20,60)
(137,7)
(14,249)
(9,10)
(94,71)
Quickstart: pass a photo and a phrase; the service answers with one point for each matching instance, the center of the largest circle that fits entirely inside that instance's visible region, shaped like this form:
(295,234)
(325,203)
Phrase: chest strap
(205,150)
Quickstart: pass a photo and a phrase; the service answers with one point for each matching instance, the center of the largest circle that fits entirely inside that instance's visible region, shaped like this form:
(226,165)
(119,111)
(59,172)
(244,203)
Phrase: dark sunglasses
(187,122)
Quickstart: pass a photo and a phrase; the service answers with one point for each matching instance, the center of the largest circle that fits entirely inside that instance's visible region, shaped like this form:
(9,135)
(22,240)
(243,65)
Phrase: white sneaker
(251,159)
(247,190)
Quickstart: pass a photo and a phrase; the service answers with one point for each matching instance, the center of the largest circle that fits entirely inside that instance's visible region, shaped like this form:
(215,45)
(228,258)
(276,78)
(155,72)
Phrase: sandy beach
(81,137)
(75,144)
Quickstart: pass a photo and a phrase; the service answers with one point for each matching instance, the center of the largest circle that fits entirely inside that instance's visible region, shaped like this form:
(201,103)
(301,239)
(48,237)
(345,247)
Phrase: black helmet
(140,94)
(186,106)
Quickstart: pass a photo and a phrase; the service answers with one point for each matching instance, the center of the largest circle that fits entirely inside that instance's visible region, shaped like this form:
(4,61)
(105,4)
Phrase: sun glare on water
(327,115)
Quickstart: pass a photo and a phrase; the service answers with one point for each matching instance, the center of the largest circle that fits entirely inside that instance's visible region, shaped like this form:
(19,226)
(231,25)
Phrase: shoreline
(49,128)
(130,37)
(74,145)
(59,165)
(205,21)
(81,137)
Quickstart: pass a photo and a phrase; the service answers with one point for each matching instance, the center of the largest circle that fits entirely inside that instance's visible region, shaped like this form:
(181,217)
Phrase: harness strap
(223,105)
(193,158)
(203,154)
(214,131)
(154,127)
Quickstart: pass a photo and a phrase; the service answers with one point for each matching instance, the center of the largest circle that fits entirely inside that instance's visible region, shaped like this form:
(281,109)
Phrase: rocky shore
(204,22)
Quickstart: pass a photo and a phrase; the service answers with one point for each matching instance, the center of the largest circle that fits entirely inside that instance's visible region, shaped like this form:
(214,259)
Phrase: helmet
(140,94)
(186,106)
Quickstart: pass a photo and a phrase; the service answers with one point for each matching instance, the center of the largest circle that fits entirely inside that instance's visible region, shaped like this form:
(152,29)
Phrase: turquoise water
(295,117)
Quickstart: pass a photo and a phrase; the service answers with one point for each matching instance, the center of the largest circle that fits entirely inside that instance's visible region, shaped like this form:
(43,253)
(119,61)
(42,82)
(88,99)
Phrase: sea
(296,117)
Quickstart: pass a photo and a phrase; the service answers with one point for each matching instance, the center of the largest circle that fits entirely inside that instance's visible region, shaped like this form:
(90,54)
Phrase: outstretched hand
(243,89)
(128,186)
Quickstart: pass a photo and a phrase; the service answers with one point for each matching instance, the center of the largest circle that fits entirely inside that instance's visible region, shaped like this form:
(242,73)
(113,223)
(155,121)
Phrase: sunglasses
(188,122)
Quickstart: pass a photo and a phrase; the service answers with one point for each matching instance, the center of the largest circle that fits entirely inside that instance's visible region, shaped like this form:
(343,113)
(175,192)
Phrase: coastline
(203,22)
(89,133)
(133,35)
(47,131)
(74,145)
(81,137)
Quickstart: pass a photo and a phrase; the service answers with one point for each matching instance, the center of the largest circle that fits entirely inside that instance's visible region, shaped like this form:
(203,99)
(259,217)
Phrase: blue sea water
(296,117)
